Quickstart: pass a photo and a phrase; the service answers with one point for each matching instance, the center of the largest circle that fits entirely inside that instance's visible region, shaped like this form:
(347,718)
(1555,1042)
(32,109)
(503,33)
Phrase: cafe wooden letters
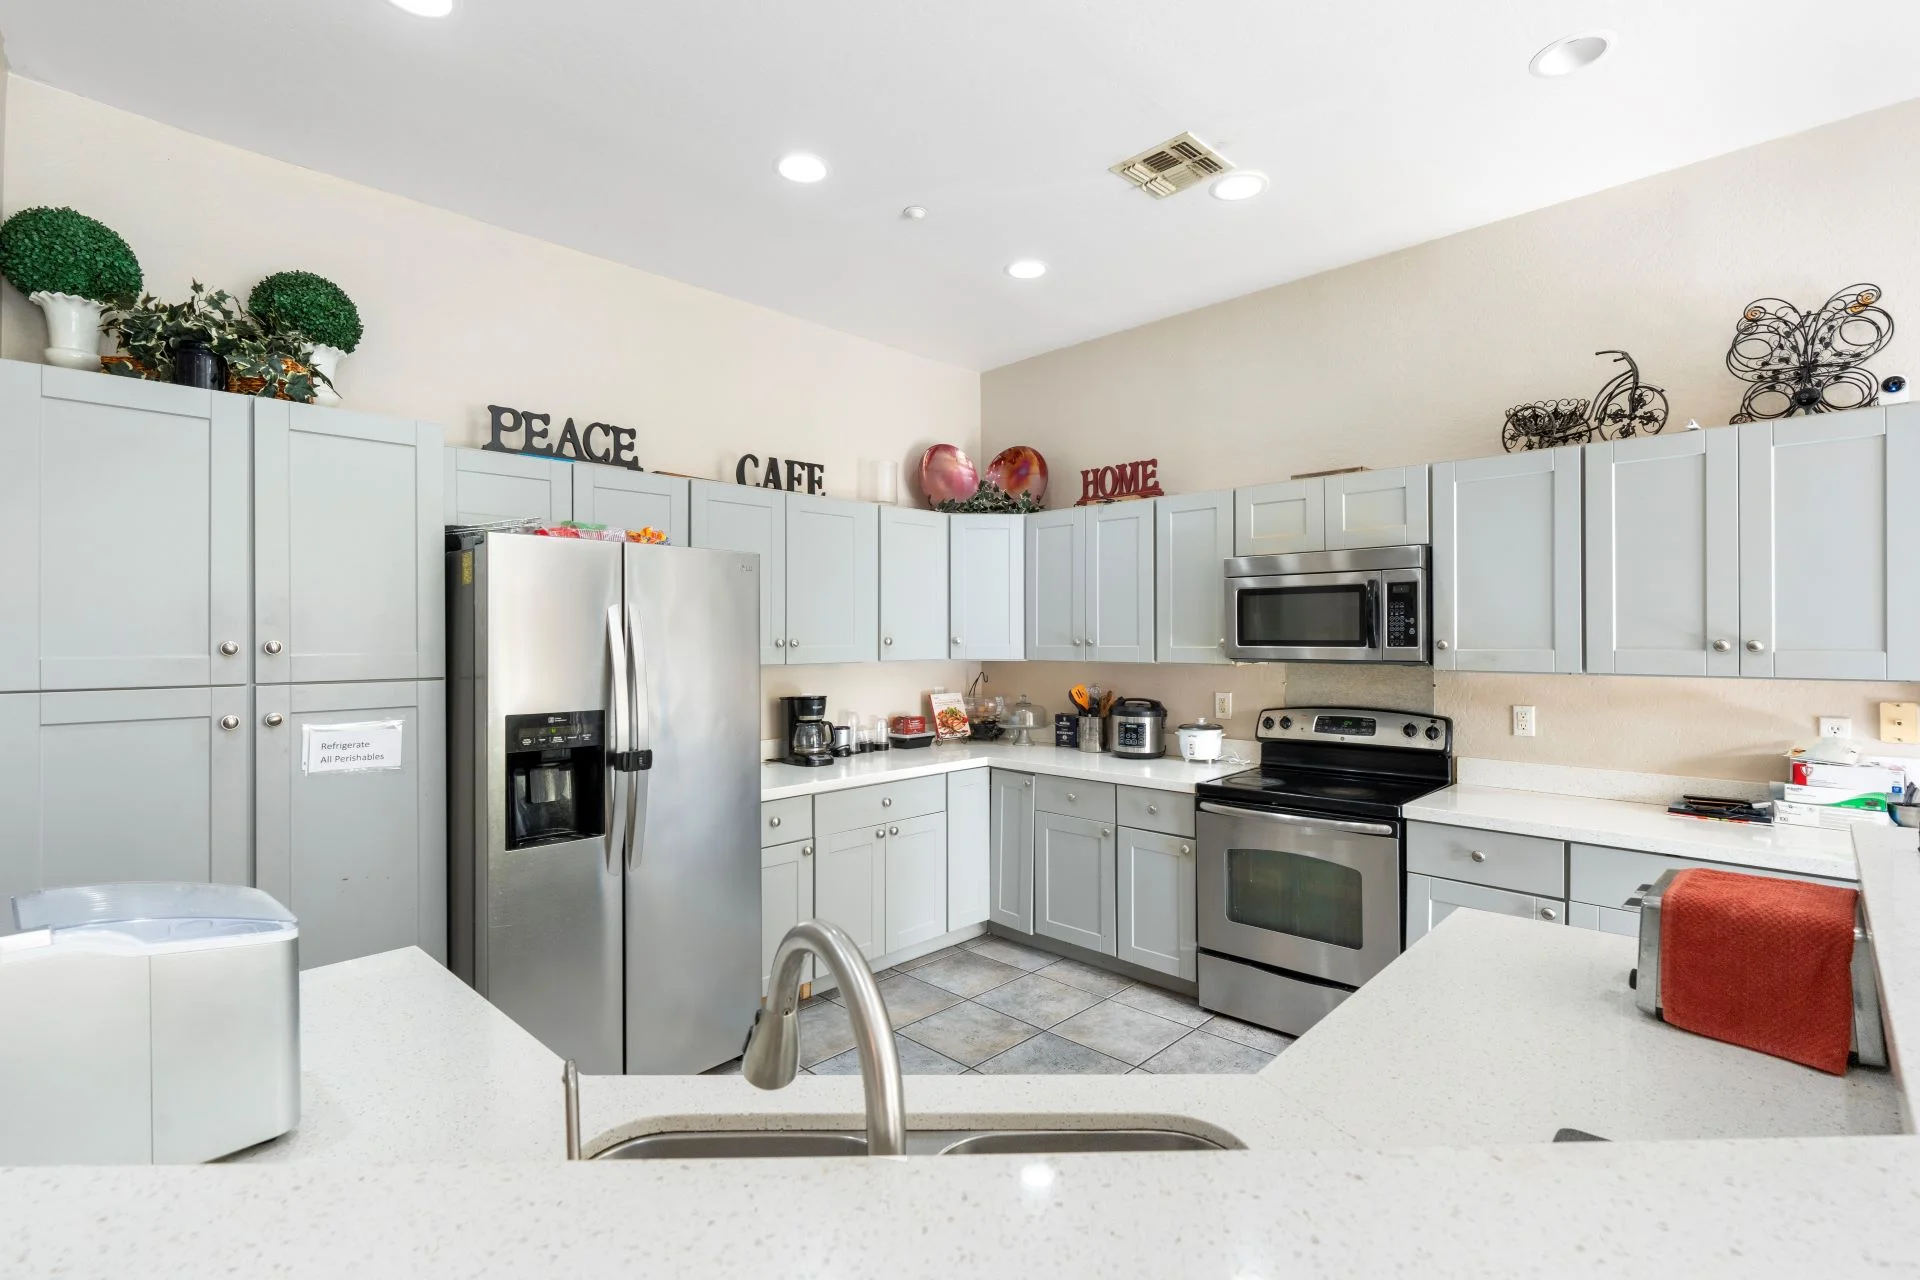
(790,475)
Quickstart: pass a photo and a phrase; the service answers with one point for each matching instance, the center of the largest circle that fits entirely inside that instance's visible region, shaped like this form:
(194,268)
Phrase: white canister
(1201,743)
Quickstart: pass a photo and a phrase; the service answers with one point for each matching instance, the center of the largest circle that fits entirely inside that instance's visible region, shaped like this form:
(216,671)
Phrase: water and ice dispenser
(556,777)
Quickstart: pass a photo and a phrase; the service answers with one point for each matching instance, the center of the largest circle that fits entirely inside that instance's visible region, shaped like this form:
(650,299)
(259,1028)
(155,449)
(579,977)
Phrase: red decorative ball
(947,474)
(1020,469)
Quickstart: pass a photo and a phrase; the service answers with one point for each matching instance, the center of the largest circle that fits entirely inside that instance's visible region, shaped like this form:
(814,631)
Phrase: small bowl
(1904,815)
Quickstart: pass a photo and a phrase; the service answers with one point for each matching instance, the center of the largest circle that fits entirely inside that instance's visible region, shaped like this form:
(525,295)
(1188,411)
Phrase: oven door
(1306,617)
(1314,895)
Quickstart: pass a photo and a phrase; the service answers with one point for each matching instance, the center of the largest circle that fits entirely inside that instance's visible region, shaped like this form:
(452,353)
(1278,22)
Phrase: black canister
(1066,730)
(195,365)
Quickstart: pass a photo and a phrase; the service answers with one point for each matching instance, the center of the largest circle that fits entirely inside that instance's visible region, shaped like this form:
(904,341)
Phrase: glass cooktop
(1280,787)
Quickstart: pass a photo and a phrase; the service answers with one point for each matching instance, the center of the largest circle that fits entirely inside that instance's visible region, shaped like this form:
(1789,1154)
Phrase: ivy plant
(48,250)
(265,364)
(310,305)
(990,499)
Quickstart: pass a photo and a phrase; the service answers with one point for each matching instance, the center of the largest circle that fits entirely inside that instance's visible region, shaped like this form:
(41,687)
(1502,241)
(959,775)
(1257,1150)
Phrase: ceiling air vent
(1173,166)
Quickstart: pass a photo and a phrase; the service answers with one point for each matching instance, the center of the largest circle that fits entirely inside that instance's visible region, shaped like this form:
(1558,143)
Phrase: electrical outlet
(1223,706)
(1836,726)
(1900,722)
(1523,722)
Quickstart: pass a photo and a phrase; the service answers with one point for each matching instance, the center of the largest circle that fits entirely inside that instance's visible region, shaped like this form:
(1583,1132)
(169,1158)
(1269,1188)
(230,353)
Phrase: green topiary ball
(59,251)
(311,305)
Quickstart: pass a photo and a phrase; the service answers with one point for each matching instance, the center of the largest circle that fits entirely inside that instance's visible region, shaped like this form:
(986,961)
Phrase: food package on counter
(1856,779)
(907,725)
(1833,817)
(950,723)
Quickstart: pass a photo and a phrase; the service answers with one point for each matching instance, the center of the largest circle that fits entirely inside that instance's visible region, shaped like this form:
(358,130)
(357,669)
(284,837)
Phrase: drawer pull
(1153,808)
(1478,856)
(886,802)
(1071,796)
(1548,913)
(773,821)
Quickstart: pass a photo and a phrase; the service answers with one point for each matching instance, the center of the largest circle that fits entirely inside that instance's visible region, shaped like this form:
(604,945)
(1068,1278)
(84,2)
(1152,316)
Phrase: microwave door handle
(1372,644)
(1298,819)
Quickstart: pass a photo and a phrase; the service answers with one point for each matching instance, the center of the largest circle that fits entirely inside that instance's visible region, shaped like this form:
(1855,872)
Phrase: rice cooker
(1202,743)
(1137,729)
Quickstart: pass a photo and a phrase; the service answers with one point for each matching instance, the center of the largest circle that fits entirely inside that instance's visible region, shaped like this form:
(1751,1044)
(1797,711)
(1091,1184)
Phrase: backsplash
(866,688)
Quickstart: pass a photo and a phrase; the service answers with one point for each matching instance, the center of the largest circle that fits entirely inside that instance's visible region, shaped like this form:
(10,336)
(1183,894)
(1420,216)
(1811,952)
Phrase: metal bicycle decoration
(1623,408)
(1809,362)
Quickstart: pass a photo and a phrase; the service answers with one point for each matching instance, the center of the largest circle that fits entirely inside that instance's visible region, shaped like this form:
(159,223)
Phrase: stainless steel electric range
(1302,865)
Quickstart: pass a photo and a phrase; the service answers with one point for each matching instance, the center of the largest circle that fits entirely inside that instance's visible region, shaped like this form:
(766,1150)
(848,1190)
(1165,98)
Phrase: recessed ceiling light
(424,8)
(801,167)
(1575,53)
(1241,184)
(1027,269)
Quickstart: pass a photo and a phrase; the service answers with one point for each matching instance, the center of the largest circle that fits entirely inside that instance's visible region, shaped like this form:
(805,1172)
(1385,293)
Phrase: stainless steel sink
(728,1144)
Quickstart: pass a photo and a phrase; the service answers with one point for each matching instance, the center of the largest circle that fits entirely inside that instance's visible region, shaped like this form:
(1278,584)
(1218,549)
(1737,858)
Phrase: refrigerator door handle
(640,733)
(617,652)
(617,813)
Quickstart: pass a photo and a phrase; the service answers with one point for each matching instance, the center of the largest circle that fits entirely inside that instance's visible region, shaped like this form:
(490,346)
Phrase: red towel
(1762,963)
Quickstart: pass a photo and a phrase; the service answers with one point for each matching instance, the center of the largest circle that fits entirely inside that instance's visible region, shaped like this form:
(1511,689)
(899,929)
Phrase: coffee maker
(809,736)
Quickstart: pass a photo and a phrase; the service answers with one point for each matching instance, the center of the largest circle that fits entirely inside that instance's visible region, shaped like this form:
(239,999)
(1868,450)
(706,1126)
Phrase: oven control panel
(1350,724)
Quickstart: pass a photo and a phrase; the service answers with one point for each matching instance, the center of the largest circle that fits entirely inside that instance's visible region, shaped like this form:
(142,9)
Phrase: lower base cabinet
(1010,850)
(1157,915)
(969,839)
(786,898)
(850,887)
(1584,915)
(914,881)
(1431,900)
(1073,881)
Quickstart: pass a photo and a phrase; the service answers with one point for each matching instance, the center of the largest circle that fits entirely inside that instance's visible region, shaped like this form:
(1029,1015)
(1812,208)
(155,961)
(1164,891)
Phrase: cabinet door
(913,585)
(1273,519)
(833,580)
(481,487)
(348,533)
(1663,555)
(969,827)
(1385,508)
(631,500)
(1119,578)
(1056,586)
(125,784)
(1010,850)
(125,509)
(1584,915)
(734,517)
(1506,572)
(360,858)
(786,898)
(1073,881)
(1827,522)
(1156,914)
(1431,900)
(850,885)
(1193,537)
(916,881)
(987,582)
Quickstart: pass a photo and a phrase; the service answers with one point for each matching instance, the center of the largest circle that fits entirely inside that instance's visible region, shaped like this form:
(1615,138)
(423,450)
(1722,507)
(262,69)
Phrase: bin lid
(150,917)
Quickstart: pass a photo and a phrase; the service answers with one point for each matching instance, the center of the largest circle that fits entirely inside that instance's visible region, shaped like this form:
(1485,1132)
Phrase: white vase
(73,329)
(326,360)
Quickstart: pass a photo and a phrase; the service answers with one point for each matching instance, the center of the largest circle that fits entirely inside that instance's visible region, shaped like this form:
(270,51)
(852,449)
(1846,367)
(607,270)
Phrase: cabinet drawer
(1168,812)
(1607,877)
(889,801)
(1498,859)
(1080,799)
(784,820)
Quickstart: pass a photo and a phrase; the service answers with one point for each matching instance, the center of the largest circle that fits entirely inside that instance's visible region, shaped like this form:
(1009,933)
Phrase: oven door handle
(1298,820)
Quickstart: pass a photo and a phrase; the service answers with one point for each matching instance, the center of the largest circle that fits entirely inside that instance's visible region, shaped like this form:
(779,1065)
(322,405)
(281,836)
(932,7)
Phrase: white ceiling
(647,132)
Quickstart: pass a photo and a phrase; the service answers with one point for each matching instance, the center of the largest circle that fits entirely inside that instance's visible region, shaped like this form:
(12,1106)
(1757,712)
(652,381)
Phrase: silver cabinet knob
(1548,913)
(1756,646)
(893,831)
(1721,646)
(1186,850)
(1105,832)
(1072,796)
(778,643)
(886,639)
(806,851)
(1478,856)
(1153,808)
(886,802)
(273,719)
(229,648)
(792,643)
(271,646)
(958,640)
(1442,645)
(229,723)
(881,834)
(773,822)
(1029,783)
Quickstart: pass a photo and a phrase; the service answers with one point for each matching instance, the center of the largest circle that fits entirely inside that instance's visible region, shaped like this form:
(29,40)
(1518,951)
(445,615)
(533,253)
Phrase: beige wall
(1414,356)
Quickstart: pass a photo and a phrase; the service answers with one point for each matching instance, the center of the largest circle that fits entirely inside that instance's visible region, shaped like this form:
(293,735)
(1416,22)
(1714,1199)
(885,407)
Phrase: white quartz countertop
(1169,773)
(1890,887)
(1646,827)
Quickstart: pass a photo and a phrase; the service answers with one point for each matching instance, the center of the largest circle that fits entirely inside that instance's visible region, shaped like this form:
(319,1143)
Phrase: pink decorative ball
(946,473)
(1020,469)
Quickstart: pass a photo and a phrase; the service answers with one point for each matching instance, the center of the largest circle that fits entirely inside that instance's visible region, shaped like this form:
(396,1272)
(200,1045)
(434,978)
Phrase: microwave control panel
(1403,615)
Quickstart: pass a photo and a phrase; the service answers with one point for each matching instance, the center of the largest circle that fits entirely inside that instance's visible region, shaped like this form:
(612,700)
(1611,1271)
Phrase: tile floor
(991,1006)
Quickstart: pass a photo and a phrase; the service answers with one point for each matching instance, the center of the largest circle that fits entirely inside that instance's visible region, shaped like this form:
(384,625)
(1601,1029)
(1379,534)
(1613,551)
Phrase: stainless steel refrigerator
(603,767)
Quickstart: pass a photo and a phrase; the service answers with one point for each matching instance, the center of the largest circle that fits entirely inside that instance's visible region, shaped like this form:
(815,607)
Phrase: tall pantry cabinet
(191,579)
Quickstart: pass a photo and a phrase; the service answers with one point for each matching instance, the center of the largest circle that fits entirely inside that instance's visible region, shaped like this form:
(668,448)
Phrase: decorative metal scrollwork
(1625,407)
(1809,362)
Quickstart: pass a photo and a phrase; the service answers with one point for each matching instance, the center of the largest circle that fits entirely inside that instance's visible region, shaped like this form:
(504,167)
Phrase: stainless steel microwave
(1366,605)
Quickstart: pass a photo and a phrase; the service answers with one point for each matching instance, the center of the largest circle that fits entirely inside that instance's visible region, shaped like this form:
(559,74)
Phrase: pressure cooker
(1137,729)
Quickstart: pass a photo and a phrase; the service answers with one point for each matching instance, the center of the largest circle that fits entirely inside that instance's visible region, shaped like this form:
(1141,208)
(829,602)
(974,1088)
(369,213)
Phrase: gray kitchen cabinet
(1193,537)
(631,499)
(1056,587)
(833,580)
(969,840)
(1431,900)
(1584,915)
(124,506)
(347,544)
(1385,508)
(481,486)
(986,582)
(360,858)
(1073,881)
(1090,584)
(850,887)
(735,517)
(1157,917)
(124,784)
(1276,519)
(1010,850)
(1663,555)
(916,881)
(1507,563)
(1827,527)
(913,585)
(786,898)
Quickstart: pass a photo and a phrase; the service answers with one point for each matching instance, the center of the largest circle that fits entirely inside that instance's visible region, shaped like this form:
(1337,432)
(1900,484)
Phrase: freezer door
(693,860)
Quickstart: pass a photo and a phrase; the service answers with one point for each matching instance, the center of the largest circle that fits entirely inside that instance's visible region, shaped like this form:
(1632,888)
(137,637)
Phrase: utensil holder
(1092,737)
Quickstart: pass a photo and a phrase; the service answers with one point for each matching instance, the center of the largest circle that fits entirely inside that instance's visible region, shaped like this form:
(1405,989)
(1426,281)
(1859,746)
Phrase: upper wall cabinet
(913,584)
(1507,562)
(348,534)
(630,499)
(1386,508)
(1277,519)
(1663,555)
(482,487)
(735,517)
(986,584)
(1090,584)
(1193,536)
(1056,586)
(833,580)
(1827,526)
(124,508)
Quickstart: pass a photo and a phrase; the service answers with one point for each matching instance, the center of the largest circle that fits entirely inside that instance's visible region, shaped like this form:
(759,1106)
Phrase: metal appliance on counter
(147,1024)
(1137,729)
(1370,604)
(605,795)
(809,734)
(1301,869)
